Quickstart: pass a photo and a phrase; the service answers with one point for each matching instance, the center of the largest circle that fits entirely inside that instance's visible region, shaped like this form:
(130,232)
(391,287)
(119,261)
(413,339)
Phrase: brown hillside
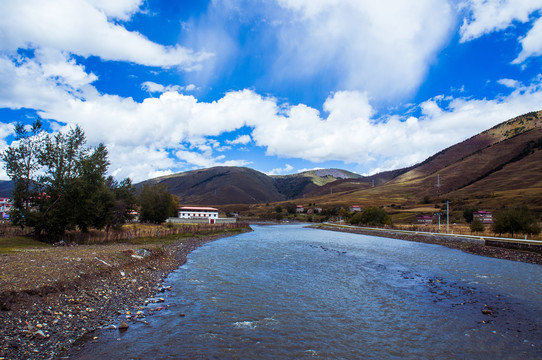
(455,153)
(497,167)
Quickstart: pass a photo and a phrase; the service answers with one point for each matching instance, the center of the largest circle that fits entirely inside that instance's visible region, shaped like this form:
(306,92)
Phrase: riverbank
(453,243)
(51,297)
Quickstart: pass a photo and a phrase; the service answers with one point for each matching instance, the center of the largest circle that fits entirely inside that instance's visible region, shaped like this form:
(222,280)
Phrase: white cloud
(240,140)
(511,83)
(287,169)
(82,27)
(486,16)
(205,160)
(531,43)
(153,87)
(135,132)
(384,47)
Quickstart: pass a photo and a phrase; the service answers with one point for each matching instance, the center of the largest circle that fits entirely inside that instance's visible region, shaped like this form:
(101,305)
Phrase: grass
(19,243)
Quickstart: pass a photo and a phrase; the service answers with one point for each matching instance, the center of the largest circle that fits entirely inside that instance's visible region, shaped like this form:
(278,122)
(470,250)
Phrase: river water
(289,292)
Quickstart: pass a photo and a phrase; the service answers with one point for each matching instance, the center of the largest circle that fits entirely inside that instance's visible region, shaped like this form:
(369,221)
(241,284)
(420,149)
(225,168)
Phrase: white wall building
(196,212)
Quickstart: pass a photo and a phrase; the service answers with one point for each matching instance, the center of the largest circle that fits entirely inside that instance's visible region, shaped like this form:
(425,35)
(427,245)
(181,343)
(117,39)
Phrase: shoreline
(44,322)
(466,246)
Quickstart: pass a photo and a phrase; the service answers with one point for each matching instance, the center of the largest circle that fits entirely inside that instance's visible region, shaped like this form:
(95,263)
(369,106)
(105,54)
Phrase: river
(289,292)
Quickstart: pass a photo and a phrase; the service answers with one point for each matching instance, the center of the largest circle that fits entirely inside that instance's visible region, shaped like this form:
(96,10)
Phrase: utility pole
(447,216)
(373,182)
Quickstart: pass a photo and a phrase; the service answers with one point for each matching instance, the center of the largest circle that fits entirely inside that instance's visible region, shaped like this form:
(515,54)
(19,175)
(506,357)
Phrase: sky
(280,86)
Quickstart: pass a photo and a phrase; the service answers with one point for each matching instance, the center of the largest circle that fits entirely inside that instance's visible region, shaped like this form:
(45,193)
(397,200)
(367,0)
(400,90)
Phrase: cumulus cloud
(86,28)
(383,48)
(486,16)
(176,130)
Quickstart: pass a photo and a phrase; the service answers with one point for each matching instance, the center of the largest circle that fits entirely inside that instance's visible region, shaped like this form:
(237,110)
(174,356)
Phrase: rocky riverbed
(49,298)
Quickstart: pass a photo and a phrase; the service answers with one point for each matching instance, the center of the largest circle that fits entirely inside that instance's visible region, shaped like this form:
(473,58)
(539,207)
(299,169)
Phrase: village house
(424,219)
(355,208)
(299,209)
(485,217)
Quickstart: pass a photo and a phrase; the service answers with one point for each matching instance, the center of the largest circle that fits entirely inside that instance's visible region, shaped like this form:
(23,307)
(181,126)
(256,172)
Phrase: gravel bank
(466,245)
(50,298)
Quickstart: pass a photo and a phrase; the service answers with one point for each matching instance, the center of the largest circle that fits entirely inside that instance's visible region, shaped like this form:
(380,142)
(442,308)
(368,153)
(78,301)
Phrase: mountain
(220,185)
(500,166)
(297,185)
(237,185)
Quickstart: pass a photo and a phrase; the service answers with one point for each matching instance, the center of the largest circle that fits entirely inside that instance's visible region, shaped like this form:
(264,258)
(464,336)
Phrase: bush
(371,216)
(476,226)
(516,220)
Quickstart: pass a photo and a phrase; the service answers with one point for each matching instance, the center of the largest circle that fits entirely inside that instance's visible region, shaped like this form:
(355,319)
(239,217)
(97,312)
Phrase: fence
(128,232)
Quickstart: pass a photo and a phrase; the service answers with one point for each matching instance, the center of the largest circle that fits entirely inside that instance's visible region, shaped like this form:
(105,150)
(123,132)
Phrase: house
(318,210)
(424,219)
(196,212)
(299,209)
(485,217)
(355,208)
(5,207)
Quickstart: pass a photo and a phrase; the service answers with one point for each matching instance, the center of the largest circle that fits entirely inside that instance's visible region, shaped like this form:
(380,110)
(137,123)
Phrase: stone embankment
(467,245)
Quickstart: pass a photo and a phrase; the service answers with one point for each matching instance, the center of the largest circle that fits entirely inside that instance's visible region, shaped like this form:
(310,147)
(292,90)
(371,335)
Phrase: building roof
(197,208)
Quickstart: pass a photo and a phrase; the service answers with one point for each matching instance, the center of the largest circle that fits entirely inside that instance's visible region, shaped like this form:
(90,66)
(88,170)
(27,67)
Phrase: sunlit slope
(500,163)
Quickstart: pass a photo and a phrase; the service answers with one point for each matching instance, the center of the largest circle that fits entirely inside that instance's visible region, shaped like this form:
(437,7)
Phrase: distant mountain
(221,185)
(297,185)
(5,188)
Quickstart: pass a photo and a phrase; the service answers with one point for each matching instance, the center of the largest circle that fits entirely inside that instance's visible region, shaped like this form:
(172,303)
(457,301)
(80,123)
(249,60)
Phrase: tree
(21,162)
(125,202)
(278,209)
(70,191)
(157,204)
(476,226)
(468,214)
(291,208)
(515,220)
(73,183)
(374,216)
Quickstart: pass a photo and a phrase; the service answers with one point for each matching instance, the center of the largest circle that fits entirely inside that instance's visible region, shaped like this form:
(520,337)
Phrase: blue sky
(280,86)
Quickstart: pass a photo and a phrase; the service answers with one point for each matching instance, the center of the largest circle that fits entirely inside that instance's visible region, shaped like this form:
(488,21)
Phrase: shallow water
(292,292)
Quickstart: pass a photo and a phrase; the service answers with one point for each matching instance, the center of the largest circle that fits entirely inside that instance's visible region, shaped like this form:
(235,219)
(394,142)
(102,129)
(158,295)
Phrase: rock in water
(123,325)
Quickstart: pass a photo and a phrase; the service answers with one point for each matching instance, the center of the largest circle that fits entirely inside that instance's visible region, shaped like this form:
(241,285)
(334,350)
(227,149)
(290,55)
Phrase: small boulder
(123,325)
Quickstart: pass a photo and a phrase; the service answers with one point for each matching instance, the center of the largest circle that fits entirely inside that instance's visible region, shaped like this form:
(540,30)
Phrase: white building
(196,212)
(5,206)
